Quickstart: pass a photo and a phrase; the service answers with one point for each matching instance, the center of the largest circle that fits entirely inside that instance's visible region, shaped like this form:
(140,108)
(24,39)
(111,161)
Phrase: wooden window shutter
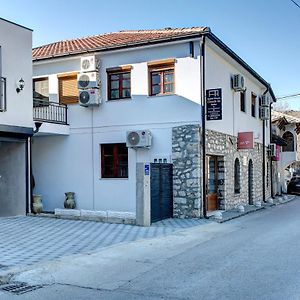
(68,91)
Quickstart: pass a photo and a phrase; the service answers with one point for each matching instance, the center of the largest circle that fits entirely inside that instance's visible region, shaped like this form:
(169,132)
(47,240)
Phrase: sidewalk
(224,216)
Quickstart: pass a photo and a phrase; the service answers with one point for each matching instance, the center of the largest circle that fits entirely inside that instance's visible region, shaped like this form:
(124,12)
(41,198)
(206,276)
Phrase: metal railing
(50,112)
(2,94)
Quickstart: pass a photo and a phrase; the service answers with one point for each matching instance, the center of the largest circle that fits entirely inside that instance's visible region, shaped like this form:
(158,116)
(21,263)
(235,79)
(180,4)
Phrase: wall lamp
(20,85)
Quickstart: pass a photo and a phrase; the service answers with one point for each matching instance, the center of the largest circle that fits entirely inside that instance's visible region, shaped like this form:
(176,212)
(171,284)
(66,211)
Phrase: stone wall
(187,171)
(225,146)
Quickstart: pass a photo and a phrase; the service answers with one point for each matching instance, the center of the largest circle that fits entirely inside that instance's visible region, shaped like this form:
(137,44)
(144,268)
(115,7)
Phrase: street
(252,257)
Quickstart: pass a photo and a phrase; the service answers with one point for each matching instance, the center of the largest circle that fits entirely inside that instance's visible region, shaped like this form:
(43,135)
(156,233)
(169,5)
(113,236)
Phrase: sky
(265,33)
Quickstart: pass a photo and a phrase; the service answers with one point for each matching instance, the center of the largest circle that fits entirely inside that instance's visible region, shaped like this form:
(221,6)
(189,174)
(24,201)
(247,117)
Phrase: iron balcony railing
(2,94)
(50,112)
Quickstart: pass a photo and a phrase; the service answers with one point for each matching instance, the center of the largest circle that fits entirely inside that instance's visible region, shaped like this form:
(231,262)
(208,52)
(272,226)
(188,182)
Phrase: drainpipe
(264,155)
(271,164)
(31,179)
(203,108)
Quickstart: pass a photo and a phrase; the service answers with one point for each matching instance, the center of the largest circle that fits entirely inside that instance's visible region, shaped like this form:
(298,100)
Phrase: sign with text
(245,140)
(277,157)
(214,104)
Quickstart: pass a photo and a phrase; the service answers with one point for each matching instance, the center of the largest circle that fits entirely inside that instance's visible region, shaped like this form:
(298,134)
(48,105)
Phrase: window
(41,88)
(253,105)
(237,176)
(114,161)
(119,83)
(289,138)
(243,101)
(68,91)
(162,80)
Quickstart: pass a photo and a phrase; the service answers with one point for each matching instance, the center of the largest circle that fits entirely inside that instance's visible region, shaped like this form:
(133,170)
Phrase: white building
(155,81)
(16,125)
(286,129)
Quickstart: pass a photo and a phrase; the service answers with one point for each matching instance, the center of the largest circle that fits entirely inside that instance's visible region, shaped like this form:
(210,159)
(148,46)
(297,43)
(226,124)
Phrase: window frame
(116,161)
(39,79)
(119,73)
(243,101)
(72,100)
(290,147)
(253,107)
(237,176)
(161,67)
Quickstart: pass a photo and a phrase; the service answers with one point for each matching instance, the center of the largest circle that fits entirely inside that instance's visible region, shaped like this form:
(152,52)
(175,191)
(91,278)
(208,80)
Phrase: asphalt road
(254,257)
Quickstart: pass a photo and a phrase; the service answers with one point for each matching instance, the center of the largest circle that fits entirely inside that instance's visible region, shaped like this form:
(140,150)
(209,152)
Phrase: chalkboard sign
(214,104)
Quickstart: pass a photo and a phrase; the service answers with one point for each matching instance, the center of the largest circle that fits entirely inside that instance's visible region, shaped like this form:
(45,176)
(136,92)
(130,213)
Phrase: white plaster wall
(219,70)
(72,163)
(16,47)
(78,155)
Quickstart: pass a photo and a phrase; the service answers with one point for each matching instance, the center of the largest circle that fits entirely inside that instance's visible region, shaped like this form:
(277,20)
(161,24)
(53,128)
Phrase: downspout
(271,164)
(264,155)
(29,156)
(203,108)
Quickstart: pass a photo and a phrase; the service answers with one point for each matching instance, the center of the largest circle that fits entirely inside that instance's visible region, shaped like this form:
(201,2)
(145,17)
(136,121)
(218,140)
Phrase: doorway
(212,183)
(161,179)
(250,182)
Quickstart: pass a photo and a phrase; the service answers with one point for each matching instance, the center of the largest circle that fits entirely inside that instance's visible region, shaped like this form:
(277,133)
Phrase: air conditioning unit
(139,139)
(272,150)
(238,83)
(264,100)
(264,113)
(88,80)
(89,63)
(89,97)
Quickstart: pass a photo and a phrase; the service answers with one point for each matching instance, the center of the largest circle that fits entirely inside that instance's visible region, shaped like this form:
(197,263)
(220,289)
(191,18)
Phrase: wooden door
(212,183)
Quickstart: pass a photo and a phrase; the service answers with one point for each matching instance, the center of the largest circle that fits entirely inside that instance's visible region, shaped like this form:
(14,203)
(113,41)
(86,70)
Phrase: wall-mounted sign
(214,104)
(147,170)
(245,140)
(277,157)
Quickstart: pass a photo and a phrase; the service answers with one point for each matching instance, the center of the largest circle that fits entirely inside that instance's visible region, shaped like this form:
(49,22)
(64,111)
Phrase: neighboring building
(155,81)
(286,129)
(16,125)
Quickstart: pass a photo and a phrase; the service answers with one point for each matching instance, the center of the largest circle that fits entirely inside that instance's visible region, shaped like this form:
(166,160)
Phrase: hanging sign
(214,104)
(245,140)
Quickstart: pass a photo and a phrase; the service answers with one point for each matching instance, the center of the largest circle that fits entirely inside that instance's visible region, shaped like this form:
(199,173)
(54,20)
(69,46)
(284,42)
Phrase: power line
(288,96)
(296,3)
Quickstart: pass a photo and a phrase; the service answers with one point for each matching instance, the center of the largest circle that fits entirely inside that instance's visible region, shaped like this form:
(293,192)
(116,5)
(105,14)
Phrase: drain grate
(19,288)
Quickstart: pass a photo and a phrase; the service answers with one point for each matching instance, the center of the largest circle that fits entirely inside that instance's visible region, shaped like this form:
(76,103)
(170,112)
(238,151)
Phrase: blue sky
(264,33)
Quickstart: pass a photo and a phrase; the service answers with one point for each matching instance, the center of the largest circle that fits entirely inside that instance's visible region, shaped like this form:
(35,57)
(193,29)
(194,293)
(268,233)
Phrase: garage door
(161,191)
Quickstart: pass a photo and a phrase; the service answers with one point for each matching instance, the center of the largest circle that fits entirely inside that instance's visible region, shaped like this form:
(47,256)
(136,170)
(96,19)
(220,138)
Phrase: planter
(70,200)
(37,205)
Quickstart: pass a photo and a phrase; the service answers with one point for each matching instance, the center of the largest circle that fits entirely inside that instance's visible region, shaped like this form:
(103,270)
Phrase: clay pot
(37,205)
(70,200)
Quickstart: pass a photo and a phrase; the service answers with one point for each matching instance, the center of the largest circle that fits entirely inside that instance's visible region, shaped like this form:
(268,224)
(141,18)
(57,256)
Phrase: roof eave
(233,55)
(128,45)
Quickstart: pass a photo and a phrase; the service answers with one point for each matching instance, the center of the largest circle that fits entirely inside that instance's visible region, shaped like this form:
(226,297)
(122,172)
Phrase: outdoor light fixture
(20,85)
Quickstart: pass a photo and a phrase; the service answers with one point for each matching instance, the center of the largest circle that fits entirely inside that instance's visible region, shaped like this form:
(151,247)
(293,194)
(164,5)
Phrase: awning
(278,140)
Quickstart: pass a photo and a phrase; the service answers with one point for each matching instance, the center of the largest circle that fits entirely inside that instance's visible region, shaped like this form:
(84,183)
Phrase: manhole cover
(19,288)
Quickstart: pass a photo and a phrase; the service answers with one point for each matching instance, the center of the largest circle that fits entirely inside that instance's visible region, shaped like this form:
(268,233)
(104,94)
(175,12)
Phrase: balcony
(50,112)
(52,115)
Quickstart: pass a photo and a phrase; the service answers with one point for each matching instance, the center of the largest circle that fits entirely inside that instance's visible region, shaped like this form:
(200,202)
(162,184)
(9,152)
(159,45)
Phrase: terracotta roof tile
(111,40)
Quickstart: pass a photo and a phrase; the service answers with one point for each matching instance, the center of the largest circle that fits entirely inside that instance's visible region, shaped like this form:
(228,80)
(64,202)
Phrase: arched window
(237,176)
(289,138)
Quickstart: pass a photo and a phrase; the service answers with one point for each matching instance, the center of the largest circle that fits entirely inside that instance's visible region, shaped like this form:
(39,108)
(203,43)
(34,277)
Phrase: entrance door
(250,182)
(161,181)
(212,183)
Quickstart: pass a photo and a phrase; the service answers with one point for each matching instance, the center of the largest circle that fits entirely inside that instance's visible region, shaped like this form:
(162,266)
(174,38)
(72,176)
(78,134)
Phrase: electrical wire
(296,3)
(288,96)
